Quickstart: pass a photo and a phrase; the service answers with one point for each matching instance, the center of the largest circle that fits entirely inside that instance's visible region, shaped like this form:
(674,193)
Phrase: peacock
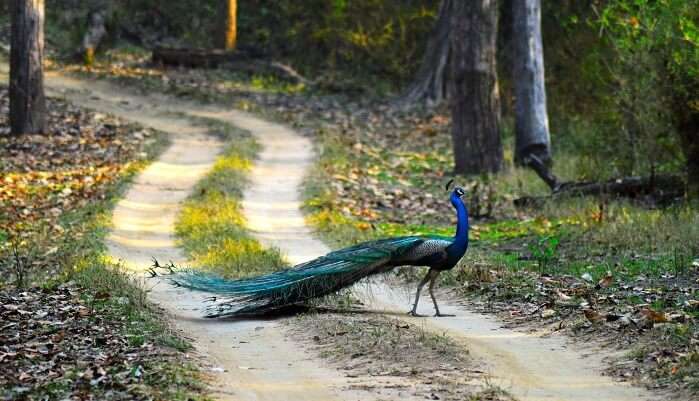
(334,271)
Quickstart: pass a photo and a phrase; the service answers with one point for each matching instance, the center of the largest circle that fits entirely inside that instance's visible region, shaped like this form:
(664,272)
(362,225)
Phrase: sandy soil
(527,365)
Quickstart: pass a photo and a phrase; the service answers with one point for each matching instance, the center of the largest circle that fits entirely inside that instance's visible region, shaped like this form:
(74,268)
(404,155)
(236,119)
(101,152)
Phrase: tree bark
(531,119)
(475,102)
(230,30)
(27,101)
(429,86)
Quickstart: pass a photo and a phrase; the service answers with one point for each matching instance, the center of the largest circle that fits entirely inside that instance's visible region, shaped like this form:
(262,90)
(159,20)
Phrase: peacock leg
(433,281)
(424,281)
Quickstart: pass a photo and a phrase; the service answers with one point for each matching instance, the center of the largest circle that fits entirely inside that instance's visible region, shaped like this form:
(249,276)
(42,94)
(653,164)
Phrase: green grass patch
(211,225)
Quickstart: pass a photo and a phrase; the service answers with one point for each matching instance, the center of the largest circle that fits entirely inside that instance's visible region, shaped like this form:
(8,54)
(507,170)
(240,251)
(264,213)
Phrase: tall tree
(430,83)
(230,24)
(475,102)
(27,101)
(531,119)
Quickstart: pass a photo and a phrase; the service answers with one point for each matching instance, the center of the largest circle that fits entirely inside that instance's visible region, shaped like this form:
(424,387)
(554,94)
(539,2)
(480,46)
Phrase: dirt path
(249,360)
(530,367)
(252,359)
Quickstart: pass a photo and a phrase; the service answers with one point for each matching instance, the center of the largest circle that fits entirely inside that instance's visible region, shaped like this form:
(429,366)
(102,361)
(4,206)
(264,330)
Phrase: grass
(652,254)
(512,250)
(588,233)
(211,225)
(84,229)
(165,377)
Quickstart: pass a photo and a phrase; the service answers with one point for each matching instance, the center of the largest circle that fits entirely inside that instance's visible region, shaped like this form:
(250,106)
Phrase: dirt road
(249,360)
(253,360)
(528,366)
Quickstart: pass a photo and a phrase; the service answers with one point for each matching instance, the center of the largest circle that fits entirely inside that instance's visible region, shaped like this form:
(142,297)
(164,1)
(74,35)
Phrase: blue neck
(461,237)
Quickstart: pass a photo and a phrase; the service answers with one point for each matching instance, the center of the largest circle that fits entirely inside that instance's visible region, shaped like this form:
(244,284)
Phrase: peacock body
(332,272)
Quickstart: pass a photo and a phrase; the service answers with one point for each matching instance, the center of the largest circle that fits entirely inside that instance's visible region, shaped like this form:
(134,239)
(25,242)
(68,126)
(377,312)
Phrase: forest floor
(622,274)
(357,193)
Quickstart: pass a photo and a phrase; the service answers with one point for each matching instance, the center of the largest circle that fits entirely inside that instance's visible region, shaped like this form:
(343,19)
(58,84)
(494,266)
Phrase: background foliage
(620,74)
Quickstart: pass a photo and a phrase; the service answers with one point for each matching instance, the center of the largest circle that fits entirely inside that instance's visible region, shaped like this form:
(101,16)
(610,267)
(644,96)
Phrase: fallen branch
(236,60)
(543,171)
(661,189)
(197,58)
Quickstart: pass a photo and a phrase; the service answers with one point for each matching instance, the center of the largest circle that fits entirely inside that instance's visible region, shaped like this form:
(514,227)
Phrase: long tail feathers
(314,279)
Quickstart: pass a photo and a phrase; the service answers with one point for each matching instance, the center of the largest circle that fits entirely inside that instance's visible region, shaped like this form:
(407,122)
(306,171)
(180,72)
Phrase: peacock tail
(316,278)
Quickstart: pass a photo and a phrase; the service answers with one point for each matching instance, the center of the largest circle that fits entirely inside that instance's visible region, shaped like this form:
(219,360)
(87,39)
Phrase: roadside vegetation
(74,323)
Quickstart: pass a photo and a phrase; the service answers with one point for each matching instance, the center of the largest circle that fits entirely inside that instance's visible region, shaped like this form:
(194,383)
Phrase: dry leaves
(44,176)
(52,339)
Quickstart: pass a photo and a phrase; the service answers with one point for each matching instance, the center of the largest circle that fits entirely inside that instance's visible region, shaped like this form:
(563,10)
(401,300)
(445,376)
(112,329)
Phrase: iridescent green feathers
(316,278)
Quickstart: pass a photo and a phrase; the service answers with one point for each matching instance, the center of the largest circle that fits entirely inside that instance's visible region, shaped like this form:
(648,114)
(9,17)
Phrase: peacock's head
(457,193)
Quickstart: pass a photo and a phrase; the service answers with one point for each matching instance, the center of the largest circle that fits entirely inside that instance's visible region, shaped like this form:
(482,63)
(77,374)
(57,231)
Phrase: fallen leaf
(606,281)
(593,316)
(653,316)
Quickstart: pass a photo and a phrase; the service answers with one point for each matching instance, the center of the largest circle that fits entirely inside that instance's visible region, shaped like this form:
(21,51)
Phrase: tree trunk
(95,32)
(531,119)
(429,85)
(475,103)
(230,30)
(27,101)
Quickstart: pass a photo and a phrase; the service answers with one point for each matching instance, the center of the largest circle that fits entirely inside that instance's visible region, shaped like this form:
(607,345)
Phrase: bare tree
(532,138)
(230,24)
(27,101)
(531,119)
(430,83)
(475,102)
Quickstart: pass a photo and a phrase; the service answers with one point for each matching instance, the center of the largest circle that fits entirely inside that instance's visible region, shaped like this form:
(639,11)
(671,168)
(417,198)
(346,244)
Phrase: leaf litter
(46,177)
(59,343)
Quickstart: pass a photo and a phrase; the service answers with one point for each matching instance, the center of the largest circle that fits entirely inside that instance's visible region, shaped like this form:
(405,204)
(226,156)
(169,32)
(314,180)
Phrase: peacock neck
(461,237)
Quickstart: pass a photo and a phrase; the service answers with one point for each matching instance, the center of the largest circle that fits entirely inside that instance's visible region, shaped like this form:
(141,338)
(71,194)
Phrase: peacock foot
(415,314)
